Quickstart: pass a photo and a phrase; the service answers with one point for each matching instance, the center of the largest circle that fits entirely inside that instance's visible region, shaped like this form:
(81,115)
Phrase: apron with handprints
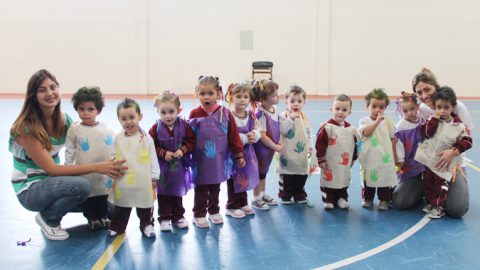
(339,156)
(376,157)
(445,137)
(265,154)
(294,159)
(134,189)
(176,174)
(212,164)
(246,178)
(410,139)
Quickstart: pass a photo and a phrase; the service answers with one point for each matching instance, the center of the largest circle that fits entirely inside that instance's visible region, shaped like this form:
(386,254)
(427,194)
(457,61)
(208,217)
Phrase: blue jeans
(54,197)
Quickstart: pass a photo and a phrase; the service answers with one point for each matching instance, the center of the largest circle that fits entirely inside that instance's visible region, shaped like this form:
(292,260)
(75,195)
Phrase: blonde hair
(236,88)
(167,96)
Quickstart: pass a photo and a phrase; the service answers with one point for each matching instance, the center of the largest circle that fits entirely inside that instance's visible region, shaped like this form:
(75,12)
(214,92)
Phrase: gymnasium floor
(286,237)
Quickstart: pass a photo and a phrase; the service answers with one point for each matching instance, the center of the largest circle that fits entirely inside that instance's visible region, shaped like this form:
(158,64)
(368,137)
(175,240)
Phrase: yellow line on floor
(109,252)
(473,166)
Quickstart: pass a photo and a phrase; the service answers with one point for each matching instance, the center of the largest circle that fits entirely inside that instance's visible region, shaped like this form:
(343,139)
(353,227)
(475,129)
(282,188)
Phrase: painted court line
(400,238)
(109,252)
(473,166)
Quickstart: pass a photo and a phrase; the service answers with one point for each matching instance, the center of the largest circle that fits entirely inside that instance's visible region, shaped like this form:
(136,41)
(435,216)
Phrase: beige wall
(328,47)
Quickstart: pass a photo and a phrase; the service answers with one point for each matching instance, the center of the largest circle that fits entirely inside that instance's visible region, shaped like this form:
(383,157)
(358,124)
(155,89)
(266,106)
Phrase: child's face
(376,106)
(88,113)
(270,100)
(409,111)
(444,109)
(129,118)
(207,94)
(241,100)
(340,110)
(47,94)
(425,92)
(295,102)
(168,113)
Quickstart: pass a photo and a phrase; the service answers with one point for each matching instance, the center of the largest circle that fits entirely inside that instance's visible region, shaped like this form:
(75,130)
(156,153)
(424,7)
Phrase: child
(136,187)
(444,130)
(376,151)
(336,151)
(91,141)
(174,143)
(294,157)
(245,178)
(271,125)
(408,192)
(217,134)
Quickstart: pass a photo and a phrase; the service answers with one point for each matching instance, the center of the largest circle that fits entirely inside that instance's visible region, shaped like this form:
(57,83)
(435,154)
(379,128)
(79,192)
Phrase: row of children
(217,144)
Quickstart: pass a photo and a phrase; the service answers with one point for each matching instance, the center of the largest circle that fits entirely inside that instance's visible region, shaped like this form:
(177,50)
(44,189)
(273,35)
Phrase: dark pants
(122,214)
(96,207)
(292,185)
(331,195)
(206,198)
(235,200)
(383,193)
(435,188)
(170,208)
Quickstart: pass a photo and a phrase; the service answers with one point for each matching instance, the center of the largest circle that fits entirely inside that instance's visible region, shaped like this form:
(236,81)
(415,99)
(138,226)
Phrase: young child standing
(246,178)
(91,141)
(136,187)
(271,124)
(217,134)
(376,151)
(336,151)
(174,142)
(444,130)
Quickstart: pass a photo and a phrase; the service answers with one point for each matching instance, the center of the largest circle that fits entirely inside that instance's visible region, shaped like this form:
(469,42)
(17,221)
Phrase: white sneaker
(165,226)
(260,205)
(149,231)
(367,204)
(247,210)
(427,209)
(181,223)
(437,212)
(201,222)
(342,203)
(236,213)
(52,233)
(383,206)
(216,218)
(112,233)
(328,206)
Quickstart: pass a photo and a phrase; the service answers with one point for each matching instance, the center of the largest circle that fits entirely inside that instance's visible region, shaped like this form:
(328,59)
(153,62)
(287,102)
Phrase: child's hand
(380,117)
(241,162)
(323,166)
(178,154)
(279,147)
(154,189)
(310,150)
(436,115)
(294,115)
(169,156)
(400,164)
(251,137)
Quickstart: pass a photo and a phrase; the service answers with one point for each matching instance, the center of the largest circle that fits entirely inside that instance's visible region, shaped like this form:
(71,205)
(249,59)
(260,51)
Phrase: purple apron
(410,139)
(265,154)
(246,178)
(211,162)
(175,175)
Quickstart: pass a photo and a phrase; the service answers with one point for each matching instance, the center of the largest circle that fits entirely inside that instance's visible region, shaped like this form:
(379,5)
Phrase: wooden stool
(262,67)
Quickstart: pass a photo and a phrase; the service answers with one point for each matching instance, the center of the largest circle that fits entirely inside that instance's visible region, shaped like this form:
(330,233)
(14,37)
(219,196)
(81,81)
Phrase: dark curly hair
(86,94)
(445,93)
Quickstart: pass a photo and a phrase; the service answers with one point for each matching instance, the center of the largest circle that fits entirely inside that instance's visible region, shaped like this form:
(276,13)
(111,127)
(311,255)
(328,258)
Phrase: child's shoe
(149,231)
(111,233)
(95,224)
(216,218)
(165,226)
(342,203)
(427,209)
(328,206)
(52,233)
(269,200)
(437,212)
(247,210)
(383,206)
(235,213)
(182,223)
(201,222)
(106,222)
(367,204)
(260,205)
(304,201)
(286,200)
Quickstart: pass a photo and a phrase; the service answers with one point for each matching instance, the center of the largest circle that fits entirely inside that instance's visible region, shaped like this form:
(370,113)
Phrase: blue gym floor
(286,237)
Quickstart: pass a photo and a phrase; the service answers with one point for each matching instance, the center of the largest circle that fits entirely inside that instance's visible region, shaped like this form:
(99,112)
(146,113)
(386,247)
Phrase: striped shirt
(25,171)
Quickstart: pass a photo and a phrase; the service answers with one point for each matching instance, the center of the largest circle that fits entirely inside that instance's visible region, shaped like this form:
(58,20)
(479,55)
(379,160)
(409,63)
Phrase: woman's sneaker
(106,222)
(269,200)
(182,223)
(200,222)
(52,233)
(149,231)
(165,226)
(95,224)
(437,212)
(247,210)
(236,213)
(260,205)
(342,203)
(427,209)
(216,218)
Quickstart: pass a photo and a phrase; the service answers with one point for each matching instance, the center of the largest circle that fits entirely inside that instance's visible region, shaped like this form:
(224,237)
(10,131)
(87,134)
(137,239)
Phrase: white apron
(445,137)
(376,157)
(134,189)
(339,156)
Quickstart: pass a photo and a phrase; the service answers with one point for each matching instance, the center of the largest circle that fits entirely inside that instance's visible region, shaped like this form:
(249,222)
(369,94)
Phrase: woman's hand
(445,158)
(113,168)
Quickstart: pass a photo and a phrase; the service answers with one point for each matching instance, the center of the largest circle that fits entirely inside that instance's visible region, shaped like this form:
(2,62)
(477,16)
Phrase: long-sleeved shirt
(188,144)
(322,141)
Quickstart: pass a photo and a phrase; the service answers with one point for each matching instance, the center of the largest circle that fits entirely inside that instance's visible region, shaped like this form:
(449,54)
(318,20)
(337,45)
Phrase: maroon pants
(122,214)
(292,185)
(235,200)
(206,198)
(435,188)
(331,195)
(383,193)
(170,208)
